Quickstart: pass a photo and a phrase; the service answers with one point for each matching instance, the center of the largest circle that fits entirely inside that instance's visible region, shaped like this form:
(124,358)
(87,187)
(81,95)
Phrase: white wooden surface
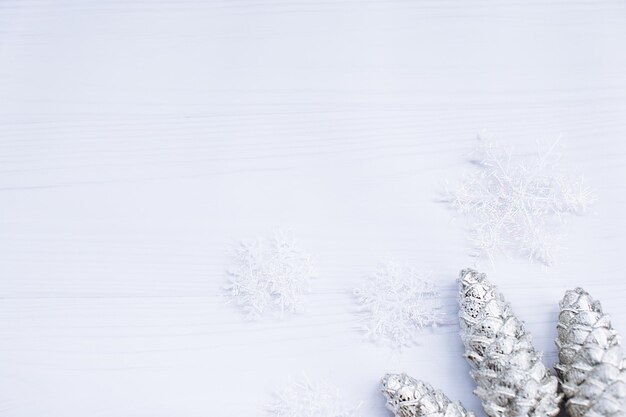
(139,139)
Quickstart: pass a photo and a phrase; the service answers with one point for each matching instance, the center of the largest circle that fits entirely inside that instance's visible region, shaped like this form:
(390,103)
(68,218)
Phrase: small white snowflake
(397,302)
(311,399)
(518,202)
(269,276)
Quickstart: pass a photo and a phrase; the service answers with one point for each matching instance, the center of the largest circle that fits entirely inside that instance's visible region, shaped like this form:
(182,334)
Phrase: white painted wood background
(140,139)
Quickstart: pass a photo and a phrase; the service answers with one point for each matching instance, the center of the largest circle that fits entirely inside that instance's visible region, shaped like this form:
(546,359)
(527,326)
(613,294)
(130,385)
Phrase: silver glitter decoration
(408,397)
(511,380)
(591,362)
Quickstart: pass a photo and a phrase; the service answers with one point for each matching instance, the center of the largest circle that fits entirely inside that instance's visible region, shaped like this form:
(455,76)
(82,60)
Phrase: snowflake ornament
(269,276)
(396,301)
(311,399)
(518,202)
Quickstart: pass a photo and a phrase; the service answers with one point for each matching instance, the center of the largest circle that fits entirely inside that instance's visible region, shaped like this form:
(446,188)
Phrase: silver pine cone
(591,363)
(408,397)
(511,380)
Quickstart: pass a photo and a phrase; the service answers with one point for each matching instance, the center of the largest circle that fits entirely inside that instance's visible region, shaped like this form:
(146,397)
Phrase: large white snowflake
(269,276)
(518,202)
(397,301)
(311,399)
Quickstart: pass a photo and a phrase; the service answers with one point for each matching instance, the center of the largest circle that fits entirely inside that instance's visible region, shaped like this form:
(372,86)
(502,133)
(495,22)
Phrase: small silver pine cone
(408,397)
(591,362)
(511,380)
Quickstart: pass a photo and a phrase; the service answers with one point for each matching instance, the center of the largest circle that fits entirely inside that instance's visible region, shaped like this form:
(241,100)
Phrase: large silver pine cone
(408,397)
(511,380)
(591,362)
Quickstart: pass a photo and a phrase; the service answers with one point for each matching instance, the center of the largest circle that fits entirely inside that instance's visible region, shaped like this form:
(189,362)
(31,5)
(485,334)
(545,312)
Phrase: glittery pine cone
(591,362)
(511,380)
(408,397)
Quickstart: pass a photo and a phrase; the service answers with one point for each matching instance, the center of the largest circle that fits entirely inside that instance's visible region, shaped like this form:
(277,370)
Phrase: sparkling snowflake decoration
(311,399)
(269,276)
(518,202)
(396,302)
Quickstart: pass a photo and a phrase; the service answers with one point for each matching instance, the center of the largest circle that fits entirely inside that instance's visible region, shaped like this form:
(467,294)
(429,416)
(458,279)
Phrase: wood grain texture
(139,139)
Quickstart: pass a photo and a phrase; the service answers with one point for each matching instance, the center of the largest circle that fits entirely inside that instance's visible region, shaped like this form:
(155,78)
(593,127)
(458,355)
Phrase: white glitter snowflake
(518,202)
(311,399)
(269,276)
(397,302)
